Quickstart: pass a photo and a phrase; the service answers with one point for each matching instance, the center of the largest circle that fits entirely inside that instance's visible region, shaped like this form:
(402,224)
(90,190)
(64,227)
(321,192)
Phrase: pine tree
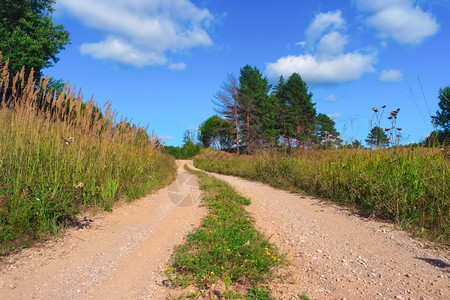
(283,109)
(442,118)
(377,138)
(253,104)
(268,111)
(325,133)
(301,109)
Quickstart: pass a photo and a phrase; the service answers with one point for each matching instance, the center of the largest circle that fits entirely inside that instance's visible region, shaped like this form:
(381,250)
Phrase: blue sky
(161,61)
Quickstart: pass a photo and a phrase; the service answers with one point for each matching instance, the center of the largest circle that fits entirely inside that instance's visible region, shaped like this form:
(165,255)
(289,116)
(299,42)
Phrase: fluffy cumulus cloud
(141,32)
(331,21)
(391,75)
(401,20)
(325,61)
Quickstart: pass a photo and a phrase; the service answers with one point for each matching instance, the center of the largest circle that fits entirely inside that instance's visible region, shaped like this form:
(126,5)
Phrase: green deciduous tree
(377,138)
(217,133)
(28,36)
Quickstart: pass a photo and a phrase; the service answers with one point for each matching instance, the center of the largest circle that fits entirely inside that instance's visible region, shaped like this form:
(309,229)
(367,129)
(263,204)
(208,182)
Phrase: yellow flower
(212,273)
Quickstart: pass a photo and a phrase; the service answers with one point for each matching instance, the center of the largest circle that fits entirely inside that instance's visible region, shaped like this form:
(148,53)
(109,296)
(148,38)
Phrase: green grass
(406,185)
(58,161)
(226,247)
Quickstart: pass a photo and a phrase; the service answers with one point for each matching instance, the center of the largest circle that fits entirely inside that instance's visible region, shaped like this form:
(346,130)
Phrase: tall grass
(406,185)
(59,155)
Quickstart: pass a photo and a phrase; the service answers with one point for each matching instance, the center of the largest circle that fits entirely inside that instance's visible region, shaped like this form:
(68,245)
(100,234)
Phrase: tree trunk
(298,134)
(248,129)
(237,126)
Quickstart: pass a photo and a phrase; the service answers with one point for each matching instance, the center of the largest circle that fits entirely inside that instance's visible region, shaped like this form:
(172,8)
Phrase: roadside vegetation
(226,249)
(189,148)
(59,156)
(409,186)
(290,145)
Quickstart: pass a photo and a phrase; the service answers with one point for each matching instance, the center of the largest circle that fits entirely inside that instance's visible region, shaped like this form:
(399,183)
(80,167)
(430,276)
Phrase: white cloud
(331,98)
(391,75)
(400,20)
(331,44)
(117,50)
(343,68)
(149,29)
(335,116)
(178,66)
(330,21)
(328,63)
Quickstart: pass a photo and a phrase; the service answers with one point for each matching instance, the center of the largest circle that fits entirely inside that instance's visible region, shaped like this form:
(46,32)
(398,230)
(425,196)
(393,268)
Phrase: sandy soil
(337,254)
(118,255)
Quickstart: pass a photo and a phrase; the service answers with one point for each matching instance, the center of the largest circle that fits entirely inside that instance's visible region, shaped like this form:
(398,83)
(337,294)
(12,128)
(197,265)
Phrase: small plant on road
(226,248)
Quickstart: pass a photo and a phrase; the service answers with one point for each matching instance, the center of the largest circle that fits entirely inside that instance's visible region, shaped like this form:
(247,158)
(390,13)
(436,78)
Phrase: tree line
(254,115)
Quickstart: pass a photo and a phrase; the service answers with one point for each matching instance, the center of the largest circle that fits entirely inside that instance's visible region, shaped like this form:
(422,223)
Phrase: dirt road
(118,255)
(337,254)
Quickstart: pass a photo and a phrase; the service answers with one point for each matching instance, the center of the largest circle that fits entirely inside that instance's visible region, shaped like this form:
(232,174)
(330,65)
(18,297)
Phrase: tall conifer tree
(254,104)
(301,109)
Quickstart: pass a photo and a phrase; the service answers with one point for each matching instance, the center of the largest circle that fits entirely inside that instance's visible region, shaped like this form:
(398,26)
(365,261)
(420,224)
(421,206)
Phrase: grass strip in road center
(226,250)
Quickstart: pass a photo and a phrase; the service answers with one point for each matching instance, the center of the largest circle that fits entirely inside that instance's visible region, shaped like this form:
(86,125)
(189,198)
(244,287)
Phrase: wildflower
(37,199)
(374,174)
(79,185)
(382,173)
(212,273)
(79,198)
